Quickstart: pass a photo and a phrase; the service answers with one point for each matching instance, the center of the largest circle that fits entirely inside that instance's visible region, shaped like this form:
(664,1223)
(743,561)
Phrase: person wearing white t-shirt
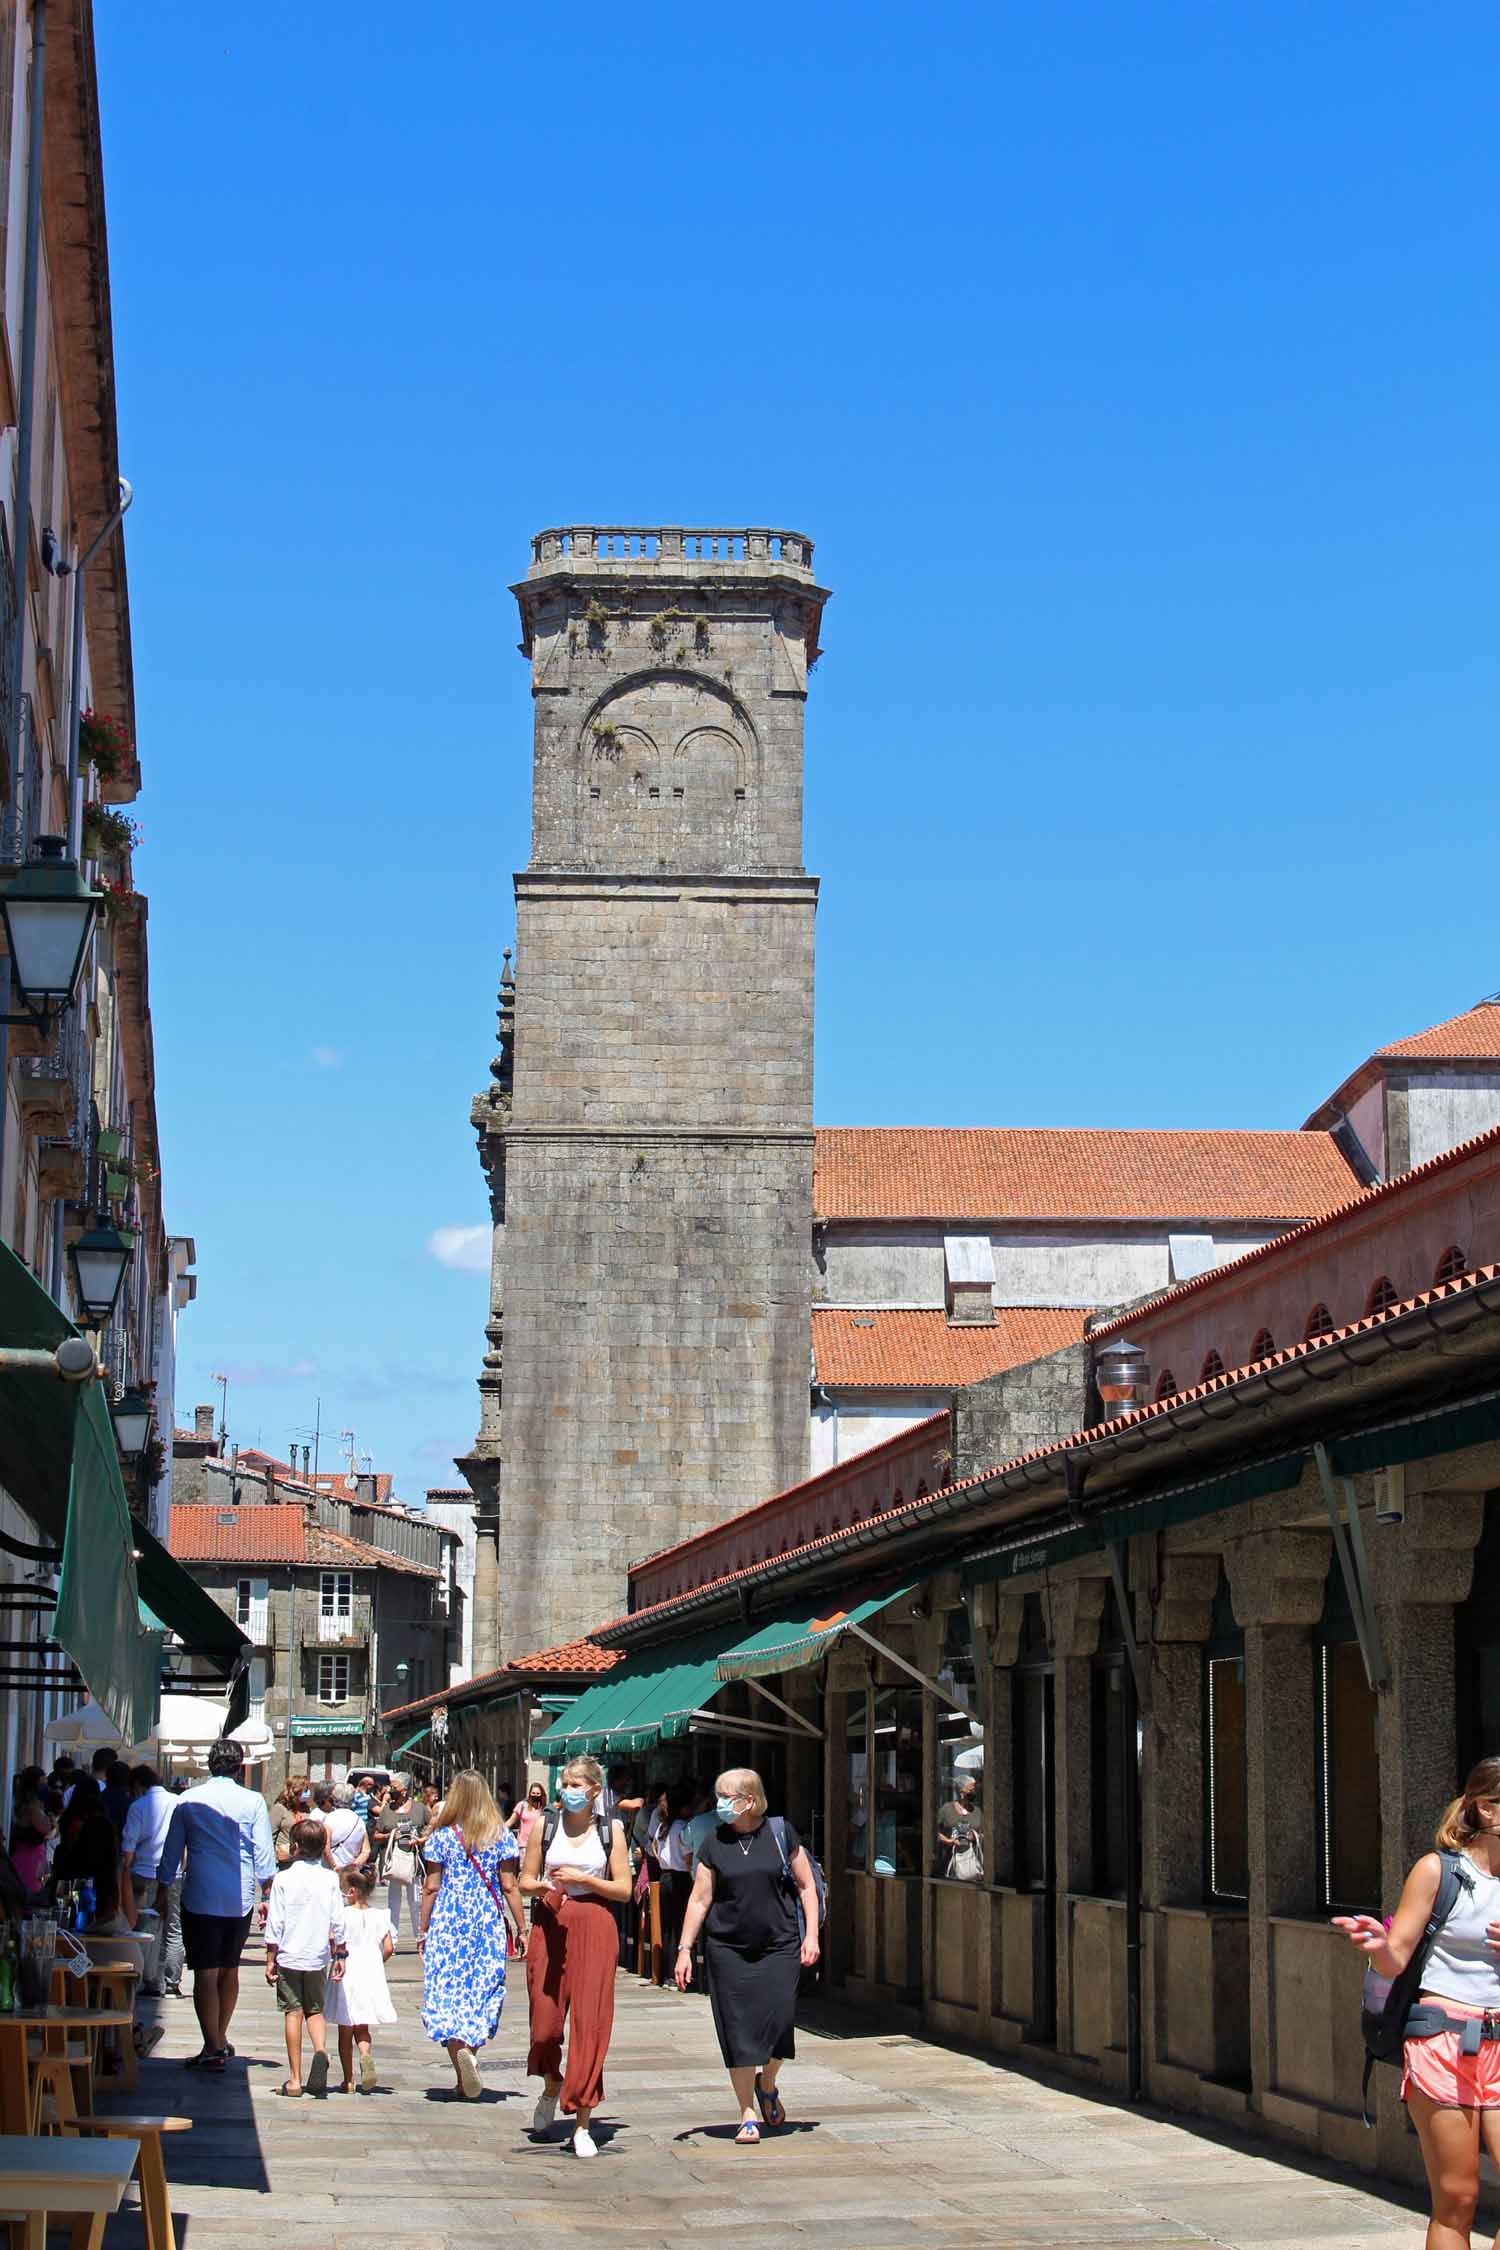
(306,1944)
(348,1838)
(142,1841)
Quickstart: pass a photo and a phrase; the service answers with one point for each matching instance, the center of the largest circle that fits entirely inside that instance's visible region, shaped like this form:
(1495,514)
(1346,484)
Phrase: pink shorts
(1454,2081)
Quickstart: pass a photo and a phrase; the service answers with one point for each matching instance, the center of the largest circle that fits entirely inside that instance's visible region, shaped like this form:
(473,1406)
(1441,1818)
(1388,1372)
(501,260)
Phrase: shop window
(1319,1323)
(1226,1776)
(1112,1762)
(1450,1265)
(960,1738)
(857,1781)
(1212,1366)
(1347,1761)
(898,1782)
(1263,1345)
(1382,1296)
(1166,1385)
(1031,1703)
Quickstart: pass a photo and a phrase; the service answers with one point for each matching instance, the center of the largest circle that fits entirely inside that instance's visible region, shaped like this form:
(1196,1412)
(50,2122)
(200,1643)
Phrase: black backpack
(1386,2003)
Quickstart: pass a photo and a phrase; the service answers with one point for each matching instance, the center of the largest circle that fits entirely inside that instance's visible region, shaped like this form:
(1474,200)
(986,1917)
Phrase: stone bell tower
(648,1137)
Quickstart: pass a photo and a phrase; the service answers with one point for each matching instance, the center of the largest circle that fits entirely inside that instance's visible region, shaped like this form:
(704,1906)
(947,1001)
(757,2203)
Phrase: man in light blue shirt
(225,1831)
(141,1842)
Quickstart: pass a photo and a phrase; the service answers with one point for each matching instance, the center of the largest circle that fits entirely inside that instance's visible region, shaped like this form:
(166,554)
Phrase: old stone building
(648,1138)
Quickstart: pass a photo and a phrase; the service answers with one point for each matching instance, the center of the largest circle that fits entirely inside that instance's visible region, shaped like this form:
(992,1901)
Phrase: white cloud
(247,1373)
(465,1249)
(327,1058)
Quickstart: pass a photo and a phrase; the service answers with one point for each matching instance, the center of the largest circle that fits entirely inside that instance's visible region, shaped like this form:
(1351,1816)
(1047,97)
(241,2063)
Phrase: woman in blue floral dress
(471,1874)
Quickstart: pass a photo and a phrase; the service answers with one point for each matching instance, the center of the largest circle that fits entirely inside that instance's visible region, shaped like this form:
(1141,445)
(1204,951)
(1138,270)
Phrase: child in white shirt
(305,1947)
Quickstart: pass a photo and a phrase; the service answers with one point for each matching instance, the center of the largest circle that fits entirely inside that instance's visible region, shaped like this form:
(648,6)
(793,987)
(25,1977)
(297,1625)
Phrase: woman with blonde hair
(470,1857)
(753,1877)
(1451,2081)
(577,1870)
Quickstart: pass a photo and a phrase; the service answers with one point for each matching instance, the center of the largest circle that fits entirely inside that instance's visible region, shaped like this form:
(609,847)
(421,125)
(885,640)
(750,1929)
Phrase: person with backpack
(756,1899)
(1432,1997)
(576,1872)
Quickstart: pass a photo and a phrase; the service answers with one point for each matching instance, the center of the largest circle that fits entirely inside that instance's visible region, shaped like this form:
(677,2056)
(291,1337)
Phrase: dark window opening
(857,1781)
(1382,1296)
(1263,1346)
(1033,1771)
(1450,1265)
(1112,1765)
(898,1781)
(1319,1323)
(1166,1384)
(1347,1763)
(1212,1366)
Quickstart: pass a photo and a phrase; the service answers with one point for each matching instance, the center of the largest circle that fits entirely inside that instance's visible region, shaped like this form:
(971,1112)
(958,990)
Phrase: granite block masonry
(648,1136)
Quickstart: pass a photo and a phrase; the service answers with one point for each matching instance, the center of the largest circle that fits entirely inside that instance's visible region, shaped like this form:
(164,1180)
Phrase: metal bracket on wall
(922,1679)
(1349,1545)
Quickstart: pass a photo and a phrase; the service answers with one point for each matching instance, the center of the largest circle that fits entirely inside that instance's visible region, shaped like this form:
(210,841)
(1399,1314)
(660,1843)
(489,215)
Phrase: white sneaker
(584,2143)
(544,2116)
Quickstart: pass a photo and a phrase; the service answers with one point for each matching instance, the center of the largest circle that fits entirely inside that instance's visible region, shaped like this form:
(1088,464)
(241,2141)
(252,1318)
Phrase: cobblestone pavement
(891,2141)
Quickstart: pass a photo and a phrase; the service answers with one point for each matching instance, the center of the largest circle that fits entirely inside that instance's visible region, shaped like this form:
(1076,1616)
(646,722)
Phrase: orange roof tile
(893,1348)
(942,1172)
(1226,1279)
(274,1534)
(569,1657)
(1473,1036)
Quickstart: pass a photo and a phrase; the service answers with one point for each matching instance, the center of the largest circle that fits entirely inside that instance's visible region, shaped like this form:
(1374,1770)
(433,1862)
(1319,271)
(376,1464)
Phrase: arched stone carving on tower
(667,769)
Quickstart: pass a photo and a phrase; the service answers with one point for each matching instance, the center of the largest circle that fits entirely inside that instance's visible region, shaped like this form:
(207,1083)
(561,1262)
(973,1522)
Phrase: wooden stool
(156,2211)
(53,2064)
(112,1985)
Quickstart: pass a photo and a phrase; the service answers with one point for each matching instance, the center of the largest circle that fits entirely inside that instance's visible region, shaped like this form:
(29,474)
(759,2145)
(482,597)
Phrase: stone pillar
(1077,1613)
(1276,1584)
(1172,1777)
(1421,1570)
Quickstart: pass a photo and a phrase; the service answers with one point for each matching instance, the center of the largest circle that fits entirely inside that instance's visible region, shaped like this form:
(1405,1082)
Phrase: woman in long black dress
(745,1898)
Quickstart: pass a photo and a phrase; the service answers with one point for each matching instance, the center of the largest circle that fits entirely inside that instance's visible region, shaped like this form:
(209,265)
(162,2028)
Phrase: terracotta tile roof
(274,1535)
(892,1348)
(578,1659)
(1227,1277)
(895,1172)
(858,1538)
(1473,1036)
(568,1656)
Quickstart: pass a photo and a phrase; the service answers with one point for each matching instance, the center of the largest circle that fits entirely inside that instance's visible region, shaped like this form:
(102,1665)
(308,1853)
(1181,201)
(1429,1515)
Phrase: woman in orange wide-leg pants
(577,1873)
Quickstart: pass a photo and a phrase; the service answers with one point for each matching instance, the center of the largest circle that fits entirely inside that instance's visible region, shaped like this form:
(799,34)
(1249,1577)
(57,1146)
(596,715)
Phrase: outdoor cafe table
(15,2074)
(64,2176)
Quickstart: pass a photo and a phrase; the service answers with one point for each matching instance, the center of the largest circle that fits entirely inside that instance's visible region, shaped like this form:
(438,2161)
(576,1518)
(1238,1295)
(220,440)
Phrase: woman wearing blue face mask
(752,1873)
(576,1870)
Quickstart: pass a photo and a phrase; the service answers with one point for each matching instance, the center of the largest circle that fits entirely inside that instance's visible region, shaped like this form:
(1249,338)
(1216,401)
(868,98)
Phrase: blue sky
(1135,372)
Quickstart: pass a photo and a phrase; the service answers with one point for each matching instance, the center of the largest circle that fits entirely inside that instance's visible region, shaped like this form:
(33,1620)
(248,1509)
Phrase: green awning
(799,1636)
(411,1742)
(179,1603)
(652,1697)
(59,1464)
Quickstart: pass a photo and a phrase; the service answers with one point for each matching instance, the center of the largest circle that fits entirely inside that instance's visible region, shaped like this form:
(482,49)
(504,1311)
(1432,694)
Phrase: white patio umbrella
(88,1728)
(185,1727)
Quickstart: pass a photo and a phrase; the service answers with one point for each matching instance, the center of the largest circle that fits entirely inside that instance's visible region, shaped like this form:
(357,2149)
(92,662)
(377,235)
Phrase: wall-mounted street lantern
(99,1259)
(48,912)
(131,1416)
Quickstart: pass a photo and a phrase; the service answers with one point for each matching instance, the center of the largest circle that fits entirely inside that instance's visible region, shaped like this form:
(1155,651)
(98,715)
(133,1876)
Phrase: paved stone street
(892,2141)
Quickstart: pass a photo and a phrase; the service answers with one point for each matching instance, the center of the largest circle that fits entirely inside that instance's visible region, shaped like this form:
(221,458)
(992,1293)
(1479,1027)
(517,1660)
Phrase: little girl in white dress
(361,1997)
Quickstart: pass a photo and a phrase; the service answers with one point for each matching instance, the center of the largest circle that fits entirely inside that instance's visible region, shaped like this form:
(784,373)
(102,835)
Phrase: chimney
(203,1422)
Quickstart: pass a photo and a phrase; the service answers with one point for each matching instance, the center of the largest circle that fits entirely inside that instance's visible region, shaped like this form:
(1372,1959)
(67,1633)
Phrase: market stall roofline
(1362,1343)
